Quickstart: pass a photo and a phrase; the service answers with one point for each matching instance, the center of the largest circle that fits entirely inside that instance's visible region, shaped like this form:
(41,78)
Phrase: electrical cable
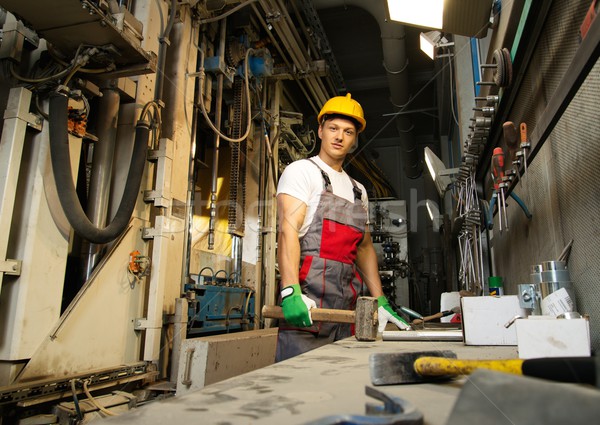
(55,56)
(37,80)
(70,75)
(452,90)
(95,403)
(155,119)
(202,76)
(76,401)
(270,145)
(226,14)
(63,176)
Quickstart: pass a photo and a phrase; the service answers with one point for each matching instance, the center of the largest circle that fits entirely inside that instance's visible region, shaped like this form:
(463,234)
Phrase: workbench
(330,380)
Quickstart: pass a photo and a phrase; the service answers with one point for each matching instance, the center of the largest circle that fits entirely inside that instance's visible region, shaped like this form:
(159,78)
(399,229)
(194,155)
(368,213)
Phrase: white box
(484,319)
(545,336)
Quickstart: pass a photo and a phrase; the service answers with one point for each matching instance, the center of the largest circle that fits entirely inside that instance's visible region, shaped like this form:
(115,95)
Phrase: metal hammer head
(365,319)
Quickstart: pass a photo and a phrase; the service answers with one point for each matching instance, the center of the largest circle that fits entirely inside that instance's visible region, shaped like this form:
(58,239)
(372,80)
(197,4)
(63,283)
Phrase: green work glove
(296,306)
(385,314)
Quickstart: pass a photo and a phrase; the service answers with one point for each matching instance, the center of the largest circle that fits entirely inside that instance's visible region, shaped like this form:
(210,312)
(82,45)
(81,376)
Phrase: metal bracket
(161,227)
(11,267)
(18,111)
(141,324)
(15,34)
(156,197)
(150,233)
(163,156)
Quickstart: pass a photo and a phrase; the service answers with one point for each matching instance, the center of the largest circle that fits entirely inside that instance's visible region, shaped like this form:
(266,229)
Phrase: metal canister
(555,271)
(536,273)
(555,276)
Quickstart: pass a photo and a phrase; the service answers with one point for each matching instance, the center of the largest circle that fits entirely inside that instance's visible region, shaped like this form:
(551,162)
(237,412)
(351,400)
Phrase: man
(325,251)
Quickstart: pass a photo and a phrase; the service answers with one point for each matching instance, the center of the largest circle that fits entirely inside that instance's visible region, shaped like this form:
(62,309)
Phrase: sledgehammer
(364,317)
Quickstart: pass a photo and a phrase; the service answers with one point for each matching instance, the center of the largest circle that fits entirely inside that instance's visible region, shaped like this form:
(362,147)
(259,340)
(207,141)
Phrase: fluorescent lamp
(429,162)
(470,18)
(438,172)
(423,13)
(429,42)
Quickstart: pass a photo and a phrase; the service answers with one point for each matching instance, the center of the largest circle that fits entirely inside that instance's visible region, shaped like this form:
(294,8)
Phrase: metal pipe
(102,166)
(237,244)
(300,58)
(162,52)
(260,214)
(218,105)
(394,56)
(275,43)
(191,192)
(294,34)
(282,28)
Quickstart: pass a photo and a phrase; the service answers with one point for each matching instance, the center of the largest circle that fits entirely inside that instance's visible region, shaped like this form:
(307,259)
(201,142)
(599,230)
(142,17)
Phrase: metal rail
(51,389)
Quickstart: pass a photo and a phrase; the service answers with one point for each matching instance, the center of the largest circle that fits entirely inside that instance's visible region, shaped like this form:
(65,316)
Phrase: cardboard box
(546,336)
(484,319)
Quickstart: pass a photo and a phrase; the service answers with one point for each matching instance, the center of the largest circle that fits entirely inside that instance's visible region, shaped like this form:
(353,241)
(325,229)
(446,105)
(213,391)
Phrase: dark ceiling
(355,39)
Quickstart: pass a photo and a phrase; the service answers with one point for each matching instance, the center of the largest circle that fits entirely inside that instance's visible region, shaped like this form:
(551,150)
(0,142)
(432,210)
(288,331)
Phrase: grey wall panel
(561,185)
(576,148)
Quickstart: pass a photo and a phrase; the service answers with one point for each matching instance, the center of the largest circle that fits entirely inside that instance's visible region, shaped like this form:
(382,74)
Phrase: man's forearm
(366,261)
(288,257)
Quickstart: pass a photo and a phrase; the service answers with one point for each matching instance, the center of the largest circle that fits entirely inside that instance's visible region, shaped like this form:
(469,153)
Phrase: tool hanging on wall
(525,145)
(502,69)
(519,201)
(469,238)
(500,186)
(511,141)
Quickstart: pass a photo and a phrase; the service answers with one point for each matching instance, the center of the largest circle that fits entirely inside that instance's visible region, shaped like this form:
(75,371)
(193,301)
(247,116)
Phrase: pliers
(490,215)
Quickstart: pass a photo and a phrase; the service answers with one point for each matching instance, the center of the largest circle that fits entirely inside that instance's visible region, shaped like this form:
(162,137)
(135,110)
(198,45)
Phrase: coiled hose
(63,176)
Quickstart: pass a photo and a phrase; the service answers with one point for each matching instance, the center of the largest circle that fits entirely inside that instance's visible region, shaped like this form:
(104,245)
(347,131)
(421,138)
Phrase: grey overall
(327,271)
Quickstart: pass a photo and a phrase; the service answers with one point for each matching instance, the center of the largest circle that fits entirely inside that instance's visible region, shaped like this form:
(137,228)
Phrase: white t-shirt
(304,181)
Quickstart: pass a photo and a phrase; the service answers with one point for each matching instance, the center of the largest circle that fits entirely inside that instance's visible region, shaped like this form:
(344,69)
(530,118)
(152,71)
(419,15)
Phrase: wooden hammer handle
(317,314)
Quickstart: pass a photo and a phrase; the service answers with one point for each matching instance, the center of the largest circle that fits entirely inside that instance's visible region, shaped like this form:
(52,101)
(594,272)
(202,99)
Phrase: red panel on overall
(339,241)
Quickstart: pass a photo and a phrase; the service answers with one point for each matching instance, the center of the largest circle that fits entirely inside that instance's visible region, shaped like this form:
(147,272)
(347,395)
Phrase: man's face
(337,136)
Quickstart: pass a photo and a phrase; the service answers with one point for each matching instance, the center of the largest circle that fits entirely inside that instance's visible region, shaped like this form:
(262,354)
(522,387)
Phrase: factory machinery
(140,149)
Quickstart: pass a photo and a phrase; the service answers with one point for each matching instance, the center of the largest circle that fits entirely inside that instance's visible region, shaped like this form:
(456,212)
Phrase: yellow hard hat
(344,105)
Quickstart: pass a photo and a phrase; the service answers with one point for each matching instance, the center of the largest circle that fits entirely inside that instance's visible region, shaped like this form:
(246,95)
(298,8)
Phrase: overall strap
(326,181)
(356,190)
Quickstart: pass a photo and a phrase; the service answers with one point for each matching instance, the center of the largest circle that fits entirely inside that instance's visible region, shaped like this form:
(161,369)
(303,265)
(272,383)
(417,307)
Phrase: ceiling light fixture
(432,41)
(470,18)
(438,171)
(422,13)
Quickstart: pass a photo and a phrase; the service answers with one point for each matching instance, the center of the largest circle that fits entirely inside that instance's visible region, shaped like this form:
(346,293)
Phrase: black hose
(61,168)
